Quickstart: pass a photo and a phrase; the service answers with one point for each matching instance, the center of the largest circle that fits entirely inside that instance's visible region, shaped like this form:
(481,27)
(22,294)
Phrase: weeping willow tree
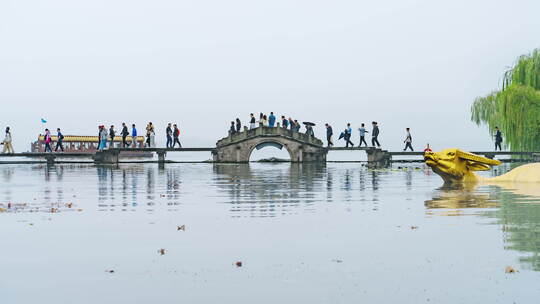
(515,109)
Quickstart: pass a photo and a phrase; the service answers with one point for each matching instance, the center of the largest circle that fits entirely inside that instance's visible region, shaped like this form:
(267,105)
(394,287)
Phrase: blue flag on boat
(43,121)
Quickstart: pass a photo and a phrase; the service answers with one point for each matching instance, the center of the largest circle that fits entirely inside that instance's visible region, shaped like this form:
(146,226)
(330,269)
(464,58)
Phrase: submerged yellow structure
(457,167)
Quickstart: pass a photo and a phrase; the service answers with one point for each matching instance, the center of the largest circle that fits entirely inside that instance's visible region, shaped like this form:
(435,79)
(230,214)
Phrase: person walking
(329,134)
(264,121)
(252,121)
(297,125)
(59,140)
(238,125)
(169,133)
(8,147)
(147,142)
(284,122)
(103,138)
(498,139)
(271,120)
(112,134)
(362,130)
(47,138)
(232,129)
(291,124)
(124,134)
(375,134)
(348,134)
(261,122)
(151,135)
(176,134)
(133,136)
(408,140)
(98,138)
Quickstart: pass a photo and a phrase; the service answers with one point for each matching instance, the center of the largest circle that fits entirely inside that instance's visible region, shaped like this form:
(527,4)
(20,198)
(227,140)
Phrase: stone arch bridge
(237,147)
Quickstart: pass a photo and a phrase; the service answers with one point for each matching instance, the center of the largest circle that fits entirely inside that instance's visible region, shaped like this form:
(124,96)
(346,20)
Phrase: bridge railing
(267,131)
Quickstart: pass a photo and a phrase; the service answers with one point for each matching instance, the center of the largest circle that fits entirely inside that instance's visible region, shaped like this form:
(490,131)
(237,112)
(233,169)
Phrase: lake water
(338,233)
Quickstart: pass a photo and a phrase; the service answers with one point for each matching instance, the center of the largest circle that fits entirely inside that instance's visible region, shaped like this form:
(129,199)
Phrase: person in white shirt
(362,130)
(8,148)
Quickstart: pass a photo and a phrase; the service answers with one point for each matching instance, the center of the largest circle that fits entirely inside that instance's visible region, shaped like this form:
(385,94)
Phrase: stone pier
(107,157)
(378,158)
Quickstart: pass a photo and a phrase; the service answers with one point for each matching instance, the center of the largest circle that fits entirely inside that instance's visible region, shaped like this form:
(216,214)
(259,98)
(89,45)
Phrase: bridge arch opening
(269,150)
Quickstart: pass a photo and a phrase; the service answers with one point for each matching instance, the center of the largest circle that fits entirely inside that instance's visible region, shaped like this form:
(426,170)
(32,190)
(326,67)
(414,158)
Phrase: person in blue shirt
(271,120)
(133,136)
(348,133)
(59,141)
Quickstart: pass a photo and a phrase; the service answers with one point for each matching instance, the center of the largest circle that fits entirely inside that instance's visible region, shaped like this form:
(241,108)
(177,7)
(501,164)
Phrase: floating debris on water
(238,264)
(510,269)
(161,251)
(183,228)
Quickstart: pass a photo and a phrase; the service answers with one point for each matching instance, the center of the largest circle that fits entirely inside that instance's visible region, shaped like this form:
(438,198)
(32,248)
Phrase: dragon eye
(451,154)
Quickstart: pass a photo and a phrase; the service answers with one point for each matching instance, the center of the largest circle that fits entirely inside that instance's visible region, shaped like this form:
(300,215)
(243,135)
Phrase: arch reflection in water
(515,207)
(270,189)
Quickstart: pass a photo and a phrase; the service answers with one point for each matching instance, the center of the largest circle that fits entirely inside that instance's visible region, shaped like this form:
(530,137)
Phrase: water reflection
(273,191)
(515,207)
(127,187)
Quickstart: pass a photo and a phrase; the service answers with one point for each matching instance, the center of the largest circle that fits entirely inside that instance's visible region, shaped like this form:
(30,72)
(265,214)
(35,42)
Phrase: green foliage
(516,108)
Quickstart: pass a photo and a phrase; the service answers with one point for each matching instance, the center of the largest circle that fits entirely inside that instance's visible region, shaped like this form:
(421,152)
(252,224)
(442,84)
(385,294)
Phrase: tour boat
(89,144)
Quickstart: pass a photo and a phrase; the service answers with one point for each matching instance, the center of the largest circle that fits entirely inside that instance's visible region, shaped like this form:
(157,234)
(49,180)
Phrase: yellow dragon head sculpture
(456,166)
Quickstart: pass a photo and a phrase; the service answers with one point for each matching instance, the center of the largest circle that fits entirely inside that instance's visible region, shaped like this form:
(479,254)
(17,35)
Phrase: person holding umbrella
(309,128)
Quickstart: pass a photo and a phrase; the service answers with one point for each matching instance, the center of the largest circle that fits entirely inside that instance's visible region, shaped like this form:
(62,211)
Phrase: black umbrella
(307,123)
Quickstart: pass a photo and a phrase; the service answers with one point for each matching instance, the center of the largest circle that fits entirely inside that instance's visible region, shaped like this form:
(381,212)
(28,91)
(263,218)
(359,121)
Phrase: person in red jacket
(176,134)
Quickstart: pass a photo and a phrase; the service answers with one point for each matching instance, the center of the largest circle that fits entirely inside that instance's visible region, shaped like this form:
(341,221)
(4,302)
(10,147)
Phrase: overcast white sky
(404,63)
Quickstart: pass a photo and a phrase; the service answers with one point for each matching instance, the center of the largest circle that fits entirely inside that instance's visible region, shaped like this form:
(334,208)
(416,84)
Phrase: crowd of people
(270,121)
(172,134)
(375,131)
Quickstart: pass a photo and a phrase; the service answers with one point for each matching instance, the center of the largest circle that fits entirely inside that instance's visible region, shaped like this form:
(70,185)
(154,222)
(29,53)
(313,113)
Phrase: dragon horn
(478,159)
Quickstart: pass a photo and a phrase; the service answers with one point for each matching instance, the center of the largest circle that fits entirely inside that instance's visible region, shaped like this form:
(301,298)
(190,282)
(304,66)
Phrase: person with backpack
(169,133)
(124,134)
(408,140)
(498,139)
(59,140)
(176,134)
(284,122)
(47,138)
